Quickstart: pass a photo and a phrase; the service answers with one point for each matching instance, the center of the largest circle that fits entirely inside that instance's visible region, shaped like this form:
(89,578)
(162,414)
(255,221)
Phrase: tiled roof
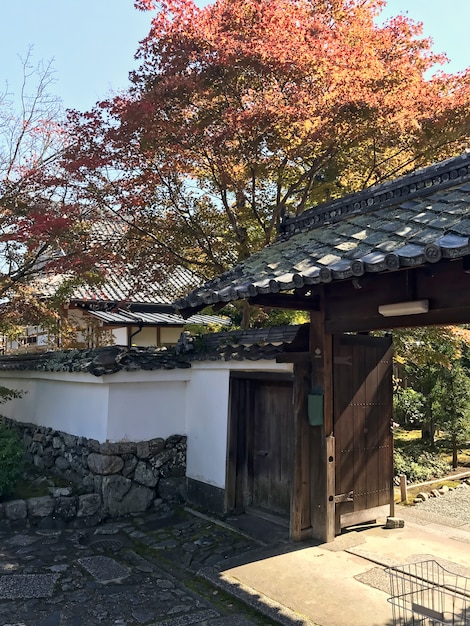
(414,220)
(122,282)
(124,318)
(120,287)
(237,346)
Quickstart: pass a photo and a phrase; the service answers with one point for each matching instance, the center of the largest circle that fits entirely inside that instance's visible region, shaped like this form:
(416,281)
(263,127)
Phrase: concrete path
(345,583)
(176,567)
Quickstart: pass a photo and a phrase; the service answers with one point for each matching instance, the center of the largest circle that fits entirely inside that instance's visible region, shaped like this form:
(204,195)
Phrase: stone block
(16,509)
(88,484)
(57,443)
(114,488)
(163,457)
(394,522)
(143,449)
(137,499)
(118,447)
(38,462)
(93,445)
(105,464)
(48,457)
(60,492)
(65,507)
(145,476)
(422,496)
(62,463)
(42,506)
(172,489)
(89,504)
(129,466)
(156,445)
(70,440)
(434,493)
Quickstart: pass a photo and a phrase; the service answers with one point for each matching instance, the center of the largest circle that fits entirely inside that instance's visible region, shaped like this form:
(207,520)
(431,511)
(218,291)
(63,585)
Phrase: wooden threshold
(268,516)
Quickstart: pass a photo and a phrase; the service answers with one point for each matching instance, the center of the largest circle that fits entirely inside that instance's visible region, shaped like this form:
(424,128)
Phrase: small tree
(451,406)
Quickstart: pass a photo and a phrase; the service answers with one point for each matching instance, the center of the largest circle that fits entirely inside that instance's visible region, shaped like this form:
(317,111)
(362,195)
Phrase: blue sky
(92,42)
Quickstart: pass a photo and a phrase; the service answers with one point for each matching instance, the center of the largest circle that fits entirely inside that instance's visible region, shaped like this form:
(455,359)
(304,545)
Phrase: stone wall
(108,479)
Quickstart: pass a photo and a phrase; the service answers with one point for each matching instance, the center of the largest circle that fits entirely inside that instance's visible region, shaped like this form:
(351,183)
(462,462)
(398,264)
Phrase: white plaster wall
(120,336)
(73,404)
(77,409)
(145,410)
(23,409)
(207,425)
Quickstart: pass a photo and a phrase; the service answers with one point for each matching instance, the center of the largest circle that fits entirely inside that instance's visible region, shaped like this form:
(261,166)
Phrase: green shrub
(11,459)
(408,406)
(419,464)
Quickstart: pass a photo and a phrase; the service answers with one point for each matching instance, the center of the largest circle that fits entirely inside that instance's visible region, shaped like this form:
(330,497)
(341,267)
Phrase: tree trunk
(428,430)
(455,463)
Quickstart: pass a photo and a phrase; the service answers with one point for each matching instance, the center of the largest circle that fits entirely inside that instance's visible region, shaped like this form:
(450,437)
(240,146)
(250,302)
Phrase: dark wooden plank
(286,301)
(330,487)
(295,357)
(272,448)
(320,346)
(300,524)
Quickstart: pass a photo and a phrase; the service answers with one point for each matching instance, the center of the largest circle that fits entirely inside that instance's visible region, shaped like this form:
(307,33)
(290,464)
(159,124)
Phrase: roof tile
(411,221)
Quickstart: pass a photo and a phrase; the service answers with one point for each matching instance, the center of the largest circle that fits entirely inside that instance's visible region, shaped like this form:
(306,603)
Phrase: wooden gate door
(272,447)
(260,455)
(362,415)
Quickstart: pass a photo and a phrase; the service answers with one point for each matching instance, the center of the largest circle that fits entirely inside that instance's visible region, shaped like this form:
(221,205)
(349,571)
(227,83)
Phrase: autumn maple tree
(44,225)
(245,110)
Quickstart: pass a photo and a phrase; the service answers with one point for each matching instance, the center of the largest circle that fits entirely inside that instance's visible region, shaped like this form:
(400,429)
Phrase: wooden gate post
(300,523)
(322,449)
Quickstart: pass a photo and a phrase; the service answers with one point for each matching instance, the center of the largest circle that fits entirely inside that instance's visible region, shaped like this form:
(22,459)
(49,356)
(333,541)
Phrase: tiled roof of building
(411,221)
(237,345)
(120,287)
(123,318)
(122,283)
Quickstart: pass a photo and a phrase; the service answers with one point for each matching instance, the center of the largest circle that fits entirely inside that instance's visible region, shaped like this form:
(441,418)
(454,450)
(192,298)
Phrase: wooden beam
(286,301)
(432,318)
(295,357)
(446,286)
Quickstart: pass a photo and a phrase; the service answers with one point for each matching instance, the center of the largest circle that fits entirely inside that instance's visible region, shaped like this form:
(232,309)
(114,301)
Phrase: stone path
(138,570)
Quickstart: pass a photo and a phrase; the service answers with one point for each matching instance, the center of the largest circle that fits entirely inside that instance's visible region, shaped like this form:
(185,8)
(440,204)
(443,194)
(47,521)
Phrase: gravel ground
(455,504)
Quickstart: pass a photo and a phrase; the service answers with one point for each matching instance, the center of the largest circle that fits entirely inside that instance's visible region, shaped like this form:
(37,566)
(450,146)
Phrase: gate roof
(412,221)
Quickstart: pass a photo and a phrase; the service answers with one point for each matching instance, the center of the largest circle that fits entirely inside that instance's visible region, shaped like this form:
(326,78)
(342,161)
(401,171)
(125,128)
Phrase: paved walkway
(176,567)
(140,570)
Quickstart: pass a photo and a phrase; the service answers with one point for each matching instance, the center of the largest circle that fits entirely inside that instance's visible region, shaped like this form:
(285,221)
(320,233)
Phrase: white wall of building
(138,406)
(207,425)
(74,403)
(145,410)
(120,336)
